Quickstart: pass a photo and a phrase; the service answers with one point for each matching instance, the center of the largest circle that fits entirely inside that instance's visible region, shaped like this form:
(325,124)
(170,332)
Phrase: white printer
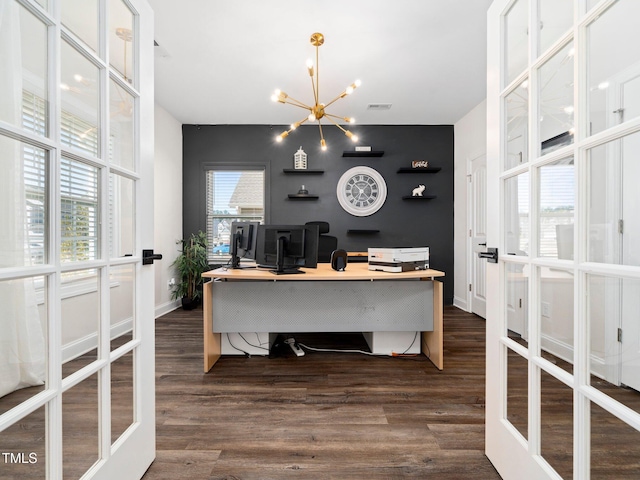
(399,259)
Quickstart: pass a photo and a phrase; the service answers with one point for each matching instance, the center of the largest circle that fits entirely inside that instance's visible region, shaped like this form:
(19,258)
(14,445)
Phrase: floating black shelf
(419,170)
(302,171)
(362,232)
(424,197)
(375,153)
(298,196)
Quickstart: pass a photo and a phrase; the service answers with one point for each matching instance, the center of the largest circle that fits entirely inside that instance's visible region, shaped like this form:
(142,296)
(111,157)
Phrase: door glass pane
(121,209)
(556,209)
(24,45)
(23,196)
(556,424)
(614,202)
(81,17)
(24,446)
(80,319)
(615,447)
(122,297)
(122,39)
(23,347)
(613,63)
(516,40)
(80,428)
(556,101)
(80,117)
(517,301)
(517,111)
(516,214)
(556,18)
(614,304)
(79,210)
(556,316)
(121,395)
(121,144)
(517,392)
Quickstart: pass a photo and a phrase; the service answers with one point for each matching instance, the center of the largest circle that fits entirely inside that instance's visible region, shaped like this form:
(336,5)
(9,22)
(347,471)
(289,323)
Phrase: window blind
(231,195)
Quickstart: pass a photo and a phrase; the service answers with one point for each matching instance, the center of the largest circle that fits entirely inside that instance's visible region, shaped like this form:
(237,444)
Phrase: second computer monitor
(244,237)
(286,248)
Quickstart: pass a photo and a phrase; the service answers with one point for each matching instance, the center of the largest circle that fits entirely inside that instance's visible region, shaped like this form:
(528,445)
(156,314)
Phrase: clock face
(361,191)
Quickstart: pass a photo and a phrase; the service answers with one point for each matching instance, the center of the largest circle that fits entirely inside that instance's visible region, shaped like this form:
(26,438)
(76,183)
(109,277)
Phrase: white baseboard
(86,344)
(460,303)
(165,308)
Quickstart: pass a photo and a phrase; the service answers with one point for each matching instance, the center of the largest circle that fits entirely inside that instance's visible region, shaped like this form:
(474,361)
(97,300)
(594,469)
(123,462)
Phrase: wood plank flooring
(321,416)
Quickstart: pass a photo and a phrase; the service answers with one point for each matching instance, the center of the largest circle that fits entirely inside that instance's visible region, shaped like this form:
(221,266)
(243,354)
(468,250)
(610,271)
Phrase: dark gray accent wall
(402,223)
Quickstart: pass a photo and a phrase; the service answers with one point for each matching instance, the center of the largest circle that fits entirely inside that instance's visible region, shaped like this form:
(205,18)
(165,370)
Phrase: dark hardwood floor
(321,416)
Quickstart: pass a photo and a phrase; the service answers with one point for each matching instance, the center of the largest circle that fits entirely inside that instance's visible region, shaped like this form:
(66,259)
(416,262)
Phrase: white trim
(461,304)
(89,342)
(167,307)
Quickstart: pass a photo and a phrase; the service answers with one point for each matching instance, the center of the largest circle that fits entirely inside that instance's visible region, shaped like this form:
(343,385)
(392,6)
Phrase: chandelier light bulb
(323,145)
(312,117)
(357,83)
(351,120)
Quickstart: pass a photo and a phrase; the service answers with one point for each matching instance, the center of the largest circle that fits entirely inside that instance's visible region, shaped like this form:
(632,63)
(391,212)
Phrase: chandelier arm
(320,127)
(342,95)
(334,116)
(315,93)
(299,105)
(295,102)
(331,120)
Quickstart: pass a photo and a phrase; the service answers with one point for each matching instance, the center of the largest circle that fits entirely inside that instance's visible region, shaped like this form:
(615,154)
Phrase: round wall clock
(361,191)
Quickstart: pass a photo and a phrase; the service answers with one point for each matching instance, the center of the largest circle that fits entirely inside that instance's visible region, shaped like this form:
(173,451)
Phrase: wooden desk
(431,340)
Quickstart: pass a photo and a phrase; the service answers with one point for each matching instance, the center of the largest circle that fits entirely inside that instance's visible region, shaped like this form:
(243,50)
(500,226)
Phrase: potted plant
(190,265)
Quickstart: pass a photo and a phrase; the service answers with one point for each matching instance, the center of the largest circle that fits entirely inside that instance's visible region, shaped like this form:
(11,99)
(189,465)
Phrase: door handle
(482,244)
(148,257)
(491,255)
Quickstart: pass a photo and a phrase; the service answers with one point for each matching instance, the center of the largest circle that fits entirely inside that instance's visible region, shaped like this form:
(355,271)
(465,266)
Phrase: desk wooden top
(354,271)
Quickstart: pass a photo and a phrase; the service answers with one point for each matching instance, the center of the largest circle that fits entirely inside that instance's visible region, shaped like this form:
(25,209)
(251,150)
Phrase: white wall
(167,203)
(470,142)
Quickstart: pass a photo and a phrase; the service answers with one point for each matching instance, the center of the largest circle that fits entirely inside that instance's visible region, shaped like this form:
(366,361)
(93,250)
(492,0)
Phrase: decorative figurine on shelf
(300,160)
(417,192)
(303,190)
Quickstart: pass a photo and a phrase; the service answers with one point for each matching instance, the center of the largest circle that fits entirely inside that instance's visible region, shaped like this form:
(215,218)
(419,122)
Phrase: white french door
(77,387)
(563,318)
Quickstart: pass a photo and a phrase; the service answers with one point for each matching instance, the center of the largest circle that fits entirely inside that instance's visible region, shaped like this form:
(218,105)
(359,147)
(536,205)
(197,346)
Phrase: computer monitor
(286,248)
(244,237)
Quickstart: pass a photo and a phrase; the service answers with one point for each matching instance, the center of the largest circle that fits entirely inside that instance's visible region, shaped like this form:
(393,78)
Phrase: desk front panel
(322,306)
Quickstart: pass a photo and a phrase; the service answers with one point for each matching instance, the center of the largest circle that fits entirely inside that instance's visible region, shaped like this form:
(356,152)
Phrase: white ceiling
(219,61)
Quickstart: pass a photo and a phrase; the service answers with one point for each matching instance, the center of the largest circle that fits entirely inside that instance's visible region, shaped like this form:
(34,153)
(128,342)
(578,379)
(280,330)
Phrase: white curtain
(22,346)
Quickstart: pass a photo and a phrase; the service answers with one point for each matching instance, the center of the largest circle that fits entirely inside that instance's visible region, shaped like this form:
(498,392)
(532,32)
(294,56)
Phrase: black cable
(409,347)
(236,348)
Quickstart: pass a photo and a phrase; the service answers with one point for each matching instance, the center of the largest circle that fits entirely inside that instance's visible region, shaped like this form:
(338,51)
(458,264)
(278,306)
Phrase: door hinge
(469,287)
(620,226)
(520,303)
(620,335)
(470,178)
(519,157)
(469,232)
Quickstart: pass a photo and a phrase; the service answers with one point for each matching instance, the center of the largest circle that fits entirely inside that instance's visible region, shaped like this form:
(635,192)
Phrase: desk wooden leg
(212,341)
(432,342)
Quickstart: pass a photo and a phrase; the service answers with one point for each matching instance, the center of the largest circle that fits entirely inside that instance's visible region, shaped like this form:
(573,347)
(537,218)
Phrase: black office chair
(326,243)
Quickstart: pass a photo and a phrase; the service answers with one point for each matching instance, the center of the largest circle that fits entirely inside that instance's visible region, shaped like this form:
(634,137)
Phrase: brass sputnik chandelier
(319,110)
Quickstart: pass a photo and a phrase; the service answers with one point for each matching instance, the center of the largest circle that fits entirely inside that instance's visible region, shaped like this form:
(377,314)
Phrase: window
(232,195)
(78,185)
